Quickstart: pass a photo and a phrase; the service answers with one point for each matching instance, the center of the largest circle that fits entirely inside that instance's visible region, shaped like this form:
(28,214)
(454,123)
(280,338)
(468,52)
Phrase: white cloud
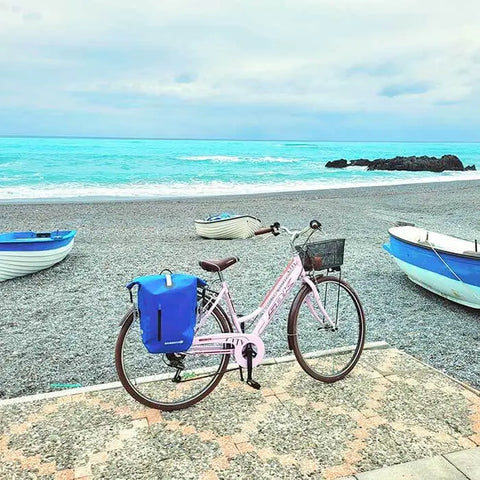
(308,55)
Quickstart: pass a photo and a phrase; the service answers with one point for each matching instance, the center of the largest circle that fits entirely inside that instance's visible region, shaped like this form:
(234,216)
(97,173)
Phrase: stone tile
(84,471)
(18,413)
(467,461)
(387,446)
(437,411)
(117,397)
(158,453)
(352,392)
(209,475)
(222,412)
(428,468)
(68,474)
(251,466)
(245,447)
(391,361)
(70,448)
(302,430)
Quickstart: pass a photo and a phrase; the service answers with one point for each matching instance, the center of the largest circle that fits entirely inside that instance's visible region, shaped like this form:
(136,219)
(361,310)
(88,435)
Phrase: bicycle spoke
(169,381)
(330,350)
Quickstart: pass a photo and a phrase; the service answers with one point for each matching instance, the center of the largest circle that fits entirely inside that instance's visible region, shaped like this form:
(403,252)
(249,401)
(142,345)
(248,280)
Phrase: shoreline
(60,325)
(233,196)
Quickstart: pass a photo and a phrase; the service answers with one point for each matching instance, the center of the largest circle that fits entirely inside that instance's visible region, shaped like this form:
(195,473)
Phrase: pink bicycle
(326,329)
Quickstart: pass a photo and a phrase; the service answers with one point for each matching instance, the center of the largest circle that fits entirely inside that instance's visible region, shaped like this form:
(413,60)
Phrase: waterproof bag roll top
(167,306)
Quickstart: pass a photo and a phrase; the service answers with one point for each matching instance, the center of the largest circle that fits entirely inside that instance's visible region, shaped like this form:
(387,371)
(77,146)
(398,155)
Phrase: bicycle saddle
(217,265)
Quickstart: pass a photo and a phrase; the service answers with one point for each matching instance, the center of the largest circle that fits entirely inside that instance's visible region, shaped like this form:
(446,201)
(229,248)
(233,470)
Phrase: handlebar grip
(315,225)
(261,231)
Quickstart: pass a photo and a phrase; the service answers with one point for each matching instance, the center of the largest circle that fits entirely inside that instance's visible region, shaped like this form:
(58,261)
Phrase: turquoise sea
(82,168)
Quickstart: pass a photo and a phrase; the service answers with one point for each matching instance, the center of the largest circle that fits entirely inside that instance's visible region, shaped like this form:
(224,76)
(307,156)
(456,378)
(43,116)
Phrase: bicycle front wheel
(327,348)
(168,381)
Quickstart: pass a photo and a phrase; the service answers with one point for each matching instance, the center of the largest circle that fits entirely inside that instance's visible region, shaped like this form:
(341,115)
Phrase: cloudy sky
(394,70)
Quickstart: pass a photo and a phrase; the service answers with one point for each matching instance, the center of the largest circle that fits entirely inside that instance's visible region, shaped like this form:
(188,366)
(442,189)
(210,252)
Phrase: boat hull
(453,290)
(19,258)
(451,275)
(235,227)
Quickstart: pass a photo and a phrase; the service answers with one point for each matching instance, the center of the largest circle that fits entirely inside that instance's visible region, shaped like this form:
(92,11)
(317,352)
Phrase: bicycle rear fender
(126,316)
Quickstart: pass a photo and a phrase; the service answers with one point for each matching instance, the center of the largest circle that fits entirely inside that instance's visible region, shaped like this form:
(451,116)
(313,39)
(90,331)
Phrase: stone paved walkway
(391,409)
(462,465)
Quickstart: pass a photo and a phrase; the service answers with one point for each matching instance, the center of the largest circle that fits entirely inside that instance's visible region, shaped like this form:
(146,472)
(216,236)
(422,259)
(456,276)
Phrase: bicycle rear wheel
(168,381)
(327,352)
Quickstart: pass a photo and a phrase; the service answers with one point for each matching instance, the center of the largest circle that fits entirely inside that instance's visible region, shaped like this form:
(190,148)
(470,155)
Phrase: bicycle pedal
(254,384)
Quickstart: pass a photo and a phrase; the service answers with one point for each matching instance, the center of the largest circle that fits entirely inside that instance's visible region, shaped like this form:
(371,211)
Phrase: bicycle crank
(256,344)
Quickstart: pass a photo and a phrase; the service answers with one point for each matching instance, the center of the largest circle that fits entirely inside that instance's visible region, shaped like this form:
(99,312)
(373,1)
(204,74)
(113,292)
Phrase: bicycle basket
(322,255)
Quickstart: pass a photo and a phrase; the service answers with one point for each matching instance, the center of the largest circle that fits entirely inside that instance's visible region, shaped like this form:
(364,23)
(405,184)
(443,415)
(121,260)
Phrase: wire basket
(322,255)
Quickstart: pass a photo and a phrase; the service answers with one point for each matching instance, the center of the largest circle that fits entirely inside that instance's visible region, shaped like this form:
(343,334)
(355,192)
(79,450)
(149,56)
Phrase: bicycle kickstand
(250,353)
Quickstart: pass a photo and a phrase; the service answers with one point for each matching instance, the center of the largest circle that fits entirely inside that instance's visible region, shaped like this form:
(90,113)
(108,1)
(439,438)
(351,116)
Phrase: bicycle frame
(274,299)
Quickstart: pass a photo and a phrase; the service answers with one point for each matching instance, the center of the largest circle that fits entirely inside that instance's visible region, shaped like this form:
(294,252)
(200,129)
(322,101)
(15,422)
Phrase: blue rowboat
(22,253)
(445,265)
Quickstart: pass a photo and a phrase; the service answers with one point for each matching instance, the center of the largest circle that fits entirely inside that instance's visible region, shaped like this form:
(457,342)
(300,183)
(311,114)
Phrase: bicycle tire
(148,378)
(331,354)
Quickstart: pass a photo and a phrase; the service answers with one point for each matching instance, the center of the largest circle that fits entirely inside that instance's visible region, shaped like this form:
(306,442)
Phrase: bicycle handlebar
(262,231)
(276,229)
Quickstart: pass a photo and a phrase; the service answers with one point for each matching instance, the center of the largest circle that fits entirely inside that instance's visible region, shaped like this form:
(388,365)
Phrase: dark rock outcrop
(361,162)
(412,164)
(337,164)
(419,164)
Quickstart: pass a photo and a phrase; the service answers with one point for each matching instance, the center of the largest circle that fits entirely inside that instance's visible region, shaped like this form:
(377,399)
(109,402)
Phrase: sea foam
(203,189)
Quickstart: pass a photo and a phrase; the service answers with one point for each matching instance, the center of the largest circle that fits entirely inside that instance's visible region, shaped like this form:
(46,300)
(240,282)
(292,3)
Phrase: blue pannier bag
(167,306)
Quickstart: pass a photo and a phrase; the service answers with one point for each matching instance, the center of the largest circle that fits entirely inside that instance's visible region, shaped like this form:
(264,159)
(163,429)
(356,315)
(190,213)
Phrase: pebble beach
(59,326)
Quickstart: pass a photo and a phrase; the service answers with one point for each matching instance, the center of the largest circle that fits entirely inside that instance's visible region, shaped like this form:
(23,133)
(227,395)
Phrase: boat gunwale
(236,217)
(58,238)
(439,250)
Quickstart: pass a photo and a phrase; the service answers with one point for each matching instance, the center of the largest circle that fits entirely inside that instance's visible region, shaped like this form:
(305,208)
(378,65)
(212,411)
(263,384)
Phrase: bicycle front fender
(293,307)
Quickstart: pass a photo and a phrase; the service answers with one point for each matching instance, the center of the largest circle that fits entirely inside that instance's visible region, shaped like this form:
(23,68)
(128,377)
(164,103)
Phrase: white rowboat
(236,226)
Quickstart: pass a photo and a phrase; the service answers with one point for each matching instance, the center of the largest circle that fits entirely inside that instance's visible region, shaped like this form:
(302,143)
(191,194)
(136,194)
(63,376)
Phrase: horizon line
(93,137)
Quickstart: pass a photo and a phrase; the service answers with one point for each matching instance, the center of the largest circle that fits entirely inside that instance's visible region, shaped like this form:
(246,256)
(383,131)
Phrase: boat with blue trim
(227,226)
(22,253)
(444,264)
